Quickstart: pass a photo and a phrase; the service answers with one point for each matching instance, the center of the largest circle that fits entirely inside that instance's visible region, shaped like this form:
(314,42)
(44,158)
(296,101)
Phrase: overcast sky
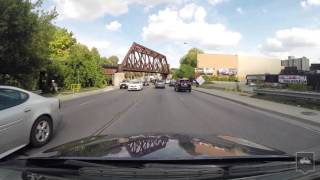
(253,27)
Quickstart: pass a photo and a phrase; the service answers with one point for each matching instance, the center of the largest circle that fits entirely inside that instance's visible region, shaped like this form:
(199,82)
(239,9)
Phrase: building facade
(302,64)
(238,65)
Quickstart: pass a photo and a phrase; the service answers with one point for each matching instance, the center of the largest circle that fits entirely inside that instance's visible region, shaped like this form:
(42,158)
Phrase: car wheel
(41,131)
(189,90)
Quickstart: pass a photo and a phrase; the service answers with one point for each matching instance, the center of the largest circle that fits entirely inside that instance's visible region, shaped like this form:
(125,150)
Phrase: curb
(84,94)
(263,109)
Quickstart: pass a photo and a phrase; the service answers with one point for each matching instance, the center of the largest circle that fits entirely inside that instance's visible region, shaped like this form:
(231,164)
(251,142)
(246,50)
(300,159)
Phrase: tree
(24,36)
(187,64)
(191,57)
(187,71)
(61,43)
(83,68)
(112,60)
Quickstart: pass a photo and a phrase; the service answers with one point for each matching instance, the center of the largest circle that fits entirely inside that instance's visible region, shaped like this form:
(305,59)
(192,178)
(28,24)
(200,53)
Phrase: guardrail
(292,94)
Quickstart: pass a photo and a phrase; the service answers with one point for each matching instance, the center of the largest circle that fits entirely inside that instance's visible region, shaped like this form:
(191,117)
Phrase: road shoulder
(292,112)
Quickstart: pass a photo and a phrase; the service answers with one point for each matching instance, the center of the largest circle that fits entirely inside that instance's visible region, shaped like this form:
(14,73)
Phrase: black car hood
(160,147)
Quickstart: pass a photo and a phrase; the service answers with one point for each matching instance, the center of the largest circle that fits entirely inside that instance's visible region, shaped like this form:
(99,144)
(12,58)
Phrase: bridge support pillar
(118,78)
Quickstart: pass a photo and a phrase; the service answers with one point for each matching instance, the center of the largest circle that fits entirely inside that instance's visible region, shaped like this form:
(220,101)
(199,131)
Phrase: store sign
(292,79)
(227,71)
(208,70)
(204,70)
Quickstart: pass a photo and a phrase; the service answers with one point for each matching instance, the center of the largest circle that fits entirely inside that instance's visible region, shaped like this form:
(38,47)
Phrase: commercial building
(238,65)
(302,64)
(315,68)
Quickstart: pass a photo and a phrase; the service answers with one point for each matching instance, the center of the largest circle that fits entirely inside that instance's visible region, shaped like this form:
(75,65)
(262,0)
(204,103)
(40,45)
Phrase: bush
(298,87)
(220,78)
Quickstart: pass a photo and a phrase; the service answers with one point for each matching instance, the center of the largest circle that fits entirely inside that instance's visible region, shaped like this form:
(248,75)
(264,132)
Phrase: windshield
(172,80)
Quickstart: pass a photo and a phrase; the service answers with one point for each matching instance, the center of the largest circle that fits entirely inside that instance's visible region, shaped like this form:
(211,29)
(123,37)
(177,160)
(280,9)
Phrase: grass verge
(67,92)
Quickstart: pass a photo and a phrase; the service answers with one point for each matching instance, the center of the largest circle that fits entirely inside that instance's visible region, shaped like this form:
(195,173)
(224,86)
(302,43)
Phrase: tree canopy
(191,57)
(112,60)
(187,64)
(25,33)
(33,51)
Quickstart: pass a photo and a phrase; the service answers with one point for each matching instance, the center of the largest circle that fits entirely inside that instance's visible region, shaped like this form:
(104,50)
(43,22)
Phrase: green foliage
(33,51)
(191,57)
(298,87)
(24,35)
(61,43)
(187,71)
(112,60)
(220,78)
(187,64)
(83,67)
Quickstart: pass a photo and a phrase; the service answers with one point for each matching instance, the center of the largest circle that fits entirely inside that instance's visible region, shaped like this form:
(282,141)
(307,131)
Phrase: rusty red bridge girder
(140,59)
(143,59)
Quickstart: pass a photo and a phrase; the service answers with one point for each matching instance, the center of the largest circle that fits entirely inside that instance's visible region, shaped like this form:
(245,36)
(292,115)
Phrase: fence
(313,96)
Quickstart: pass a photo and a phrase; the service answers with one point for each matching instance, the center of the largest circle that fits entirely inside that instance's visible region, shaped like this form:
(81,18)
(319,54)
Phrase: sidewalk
(288,111)
(83,94)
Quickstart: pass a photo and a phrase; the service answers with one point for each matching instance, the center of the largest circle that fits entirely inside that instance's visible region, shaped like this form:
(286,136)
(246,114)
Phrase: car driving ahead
(160,84)
(124,84)
(172,83)
(26,118)
(135,85)
(182,85)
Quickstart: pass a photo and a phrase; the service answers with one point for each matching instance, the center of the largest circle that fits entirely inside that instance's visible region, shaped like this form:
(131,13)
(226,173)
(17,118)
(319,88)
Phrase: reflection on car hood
(160,147)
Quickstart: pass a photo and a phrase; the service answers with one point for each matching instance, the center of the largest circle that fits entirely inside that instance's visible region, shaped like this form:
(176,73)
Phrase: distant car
(305,161)
(135,86)
(145,83)
(182,85)
(26,118)
(172,83)
(167,81)
(160,84)
(124,84)
(252,84)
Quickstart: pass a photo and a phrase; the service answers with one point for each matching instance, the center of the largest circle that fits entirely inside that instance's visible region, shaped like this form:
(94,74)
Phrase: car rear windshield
(184,81)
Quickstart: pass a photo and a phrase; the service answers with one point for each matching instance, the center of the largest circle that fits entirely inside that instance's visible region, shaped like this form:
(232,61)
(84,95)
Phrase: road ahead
(165,111)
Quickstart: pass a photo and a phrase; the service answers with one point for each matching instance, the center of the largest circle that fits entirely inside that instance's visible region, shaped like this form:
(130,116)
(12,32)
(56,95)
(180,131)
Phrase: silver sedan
(26,118)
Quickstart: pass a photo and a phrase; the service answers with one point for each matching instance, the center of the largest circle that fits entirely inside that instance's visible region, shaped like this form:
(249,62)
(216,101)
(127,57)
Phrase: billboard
(227,71)
(204,70)
(293,79)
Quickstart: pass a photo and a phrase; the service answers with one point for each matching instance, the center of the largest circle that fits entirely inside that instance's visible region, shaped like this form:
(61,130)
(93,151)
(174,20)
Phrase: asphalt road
(166,111)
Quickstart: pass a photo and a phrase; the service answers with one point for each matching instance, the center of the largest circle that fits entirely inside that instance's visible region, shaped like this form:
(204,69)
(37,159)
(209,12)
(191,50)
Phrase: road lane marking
(84,103)
(117,116)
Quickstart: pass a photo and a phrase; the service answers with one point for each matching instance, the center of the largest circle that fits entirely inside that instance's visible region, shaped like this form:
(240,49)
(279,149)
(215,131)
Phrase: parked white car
(135,86)
(26,118)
